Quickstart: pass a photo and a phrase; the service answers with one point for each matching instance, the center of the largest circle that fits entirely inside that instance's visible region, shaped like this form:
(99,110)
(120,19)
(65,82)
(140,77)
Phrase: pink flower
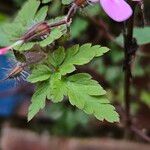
(6,49)
(118,10)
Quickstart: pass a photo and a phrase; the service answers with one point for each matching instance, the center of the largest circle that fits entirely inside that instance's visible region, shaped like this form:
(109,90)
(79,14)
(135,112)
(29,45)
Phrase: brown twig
(140,134)
(128,43)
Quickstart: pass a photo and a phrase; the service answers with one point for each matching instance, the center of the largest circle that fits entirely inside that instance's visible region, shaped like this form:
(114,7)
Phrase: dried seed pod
(19,71)
(16,72)
(36,32)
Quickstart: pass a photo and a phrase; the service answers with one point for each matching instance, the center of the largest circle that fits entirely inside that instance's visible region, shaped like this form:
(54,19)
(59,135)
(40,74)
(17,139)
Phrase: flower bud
(80,2)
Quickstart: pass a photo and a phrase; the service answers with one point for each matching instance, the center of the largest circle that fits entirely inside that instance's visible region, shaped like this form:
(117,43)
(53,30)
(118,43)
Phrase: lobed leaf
(40,73)
(79,56)
(38,100)
(57,89)
(41,14)
(84,93)
(66,2)
(28,11)
(89,96)
(141,34)
(57,57)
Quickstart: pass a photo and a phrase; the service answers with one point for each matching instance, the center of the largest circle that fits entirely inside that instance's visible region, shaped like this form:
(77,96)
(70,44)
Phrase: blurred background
(61,126)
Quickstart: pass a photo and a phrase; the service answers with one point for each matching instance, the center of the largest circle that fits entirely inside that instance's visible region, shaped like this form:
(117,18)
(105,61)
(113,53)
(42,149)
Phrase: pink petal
(118,10)
(4,50)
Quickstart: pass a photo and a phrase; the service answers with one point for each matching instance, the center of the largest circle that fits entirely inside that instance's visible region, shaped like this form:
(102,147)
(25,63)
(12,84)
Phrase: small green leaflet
(38,100)
(40,73)
(57,57)
(57,89)
(76,29)
(46,1)
(86,94)
(80,55)
(145,98)
(66,2)
(84,83)
(27,13)
(142,36)
(41,14)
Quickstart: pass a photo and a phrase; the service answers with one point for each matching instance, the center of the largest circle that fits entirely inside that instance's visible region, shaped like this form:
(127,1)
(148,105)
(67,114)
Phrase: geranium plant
(40,45)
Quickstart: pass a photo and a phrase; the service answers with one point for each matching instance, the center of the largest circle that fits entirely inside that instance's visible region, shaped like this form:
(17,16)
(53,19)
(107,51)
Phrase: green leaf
(38,100)
(54,35)
(57,89)
(67,2)
(88,95)
(40,73)
(83,82)
(28,11)
(93,10)
(25,46)
(9,32)
(84,93)
(76,29)
(79,56)
(41,14)
(141,34)
(46,1)
(57,57)
(145,98)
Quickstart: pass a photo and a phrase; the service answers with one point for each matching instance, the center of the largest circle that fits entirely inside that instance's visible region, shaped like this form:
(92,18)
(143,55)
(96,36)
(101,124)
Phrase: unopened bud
(80,2)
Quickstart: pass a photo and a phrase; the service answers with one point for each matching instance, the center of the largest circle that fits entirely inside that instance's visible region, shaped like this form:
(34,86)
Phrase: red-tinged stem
(57,24)
(68,18)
